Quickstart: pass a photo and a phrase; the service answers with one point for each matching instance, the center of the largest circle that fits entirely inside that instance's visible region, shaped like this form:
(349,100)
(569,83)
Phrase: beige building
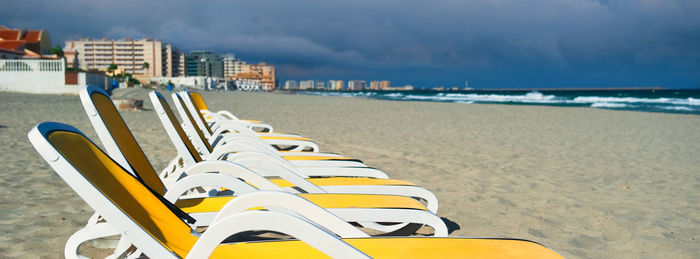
(384,84)
(260,73)
(71,58)
(145,56)
(337,85)
(374,85)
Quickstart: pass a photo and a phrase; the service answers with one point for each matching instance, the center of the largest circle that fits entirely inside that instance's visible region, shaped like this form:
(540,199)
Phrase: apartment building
(384,84)
(374,85)
(261,72)
(174,61)
(321,85)
(144,56)
(230,64)
(204,63)
(336,85)
(306,84)
(291,84)
(357,85)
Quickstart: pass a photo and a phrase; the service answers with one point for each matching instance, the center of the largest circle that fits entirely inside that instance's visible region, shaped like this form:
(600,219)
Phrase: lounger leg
(81,236)
(122,250)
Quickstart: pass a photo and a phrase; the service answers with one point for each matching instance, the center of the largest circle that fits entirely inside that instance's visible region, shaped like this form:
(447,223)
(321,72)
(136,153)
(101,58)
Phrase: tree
(58,51)
(111,69)
(146,65)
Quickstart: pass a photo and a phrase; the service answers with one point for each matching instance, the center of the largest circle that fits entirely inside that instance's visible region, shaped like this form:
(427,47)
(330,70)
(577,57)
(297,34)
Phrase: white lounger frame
(224,226)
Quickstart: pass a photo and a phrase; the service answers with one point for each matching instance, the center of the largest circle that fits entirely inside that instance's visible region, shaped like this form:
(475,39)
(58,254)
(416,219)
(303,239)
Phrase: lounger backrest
(198,101)
(184,147)
(190,105)
(187,116)
(117,137)
(114,193)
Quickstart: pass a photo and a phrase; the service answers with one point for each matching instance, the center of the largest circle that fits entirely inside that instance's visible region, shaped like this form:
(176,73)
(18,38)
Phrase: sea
(685,101)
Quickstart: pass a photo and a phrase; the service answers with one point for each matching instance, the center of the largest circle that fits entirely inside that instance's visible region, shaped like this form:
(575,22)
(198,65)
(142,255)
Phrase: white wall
(94,79)
(34,76)
(198,82)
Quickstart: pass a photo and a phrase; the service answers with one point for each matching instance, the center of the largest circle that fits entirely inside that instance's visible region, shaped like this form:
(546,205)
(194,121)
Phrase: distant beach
(588,183)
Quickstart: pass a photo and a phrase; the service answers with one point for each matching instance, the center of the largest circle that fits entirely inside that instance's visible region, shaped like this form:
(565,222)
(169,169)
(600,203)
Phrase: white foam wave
(598,99)
(676,108)
(394,95)
(531,97)
(608,105)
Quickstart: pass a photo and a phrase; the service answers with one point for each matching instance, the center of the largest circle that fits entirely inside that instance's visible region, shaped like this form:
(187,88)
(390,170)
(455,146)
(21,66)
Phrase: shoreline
(584,182)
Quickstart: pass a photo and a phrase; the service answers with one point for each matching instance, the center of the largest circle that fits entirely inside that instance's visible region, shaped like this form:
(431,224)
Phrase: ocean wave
(531,97)
(608,105)
(600,99)
(619,101)
(677,108)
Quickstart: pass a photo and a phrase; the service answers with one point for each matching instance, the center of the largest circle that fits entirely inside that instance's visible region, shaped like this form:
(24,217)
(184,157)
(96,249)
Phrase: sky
(490,43)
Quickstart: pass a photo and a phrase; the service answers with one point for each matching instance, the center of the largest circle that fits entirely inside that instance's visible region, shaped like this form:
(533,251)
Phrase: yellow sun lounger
(123,147)
(157,229)
(222,116)
(239,149)
(225,143)
(189,113)
(340,208)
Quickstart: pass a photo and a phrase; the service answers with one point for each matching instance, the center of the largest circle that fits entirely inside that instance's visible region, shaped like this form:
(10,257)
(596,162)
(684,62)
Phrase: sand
(588,183)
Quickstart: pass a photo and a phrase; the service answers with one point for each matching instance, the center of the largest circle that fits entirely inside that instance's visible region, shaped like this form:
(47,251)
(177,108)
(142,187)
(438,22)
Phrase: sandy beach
(588,183)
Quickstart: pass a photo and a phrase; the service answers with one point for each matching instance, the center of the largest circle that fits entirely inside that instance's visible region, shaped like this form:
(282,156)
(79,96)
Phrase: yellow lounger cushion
(253,121)
(395,247)
(336,158)
(324,200)
(333,181)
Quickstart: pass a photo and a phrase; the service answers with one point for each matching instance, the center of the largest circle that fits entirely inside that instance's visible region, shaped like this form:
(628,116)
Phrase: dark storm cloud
(491,43)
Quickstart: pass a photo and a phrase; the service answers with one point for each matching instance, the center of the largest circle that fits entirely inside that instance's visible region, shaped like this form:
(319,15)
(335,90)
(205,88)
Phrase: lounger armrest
(431,201)
(227,139)
(276,159)
(291,204)
(272,168)
(187,183)
(234,170)
(227,114)
(301,145)
(342,171)
(297,227)
(232,126)
(392,215)
(234,147)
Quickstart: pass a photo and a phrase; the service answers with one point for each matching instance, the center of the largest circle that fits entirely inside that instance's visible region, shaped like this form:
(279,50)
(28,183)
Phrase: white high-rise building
(321,85)
(291,84)
(357,85)
(230,62)
(336,85)
(306,84)
(145,56)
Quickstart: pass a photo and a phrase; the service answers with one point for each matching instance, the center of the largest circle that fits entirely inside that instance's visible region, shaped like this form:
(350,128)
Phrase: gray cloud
(509,43)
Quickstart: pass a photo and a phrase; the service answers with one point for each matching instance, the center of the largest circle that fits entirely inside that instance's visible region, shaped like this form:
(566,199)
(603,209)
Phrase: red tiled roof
(12,44)
(33,36)
(15,40)
(11,51)
(9,34)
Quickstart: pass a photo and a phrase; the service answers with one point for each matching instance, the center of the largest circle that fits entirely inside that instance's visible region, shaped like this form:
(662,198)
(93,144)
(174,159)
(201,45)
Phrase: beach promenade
(588,183)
